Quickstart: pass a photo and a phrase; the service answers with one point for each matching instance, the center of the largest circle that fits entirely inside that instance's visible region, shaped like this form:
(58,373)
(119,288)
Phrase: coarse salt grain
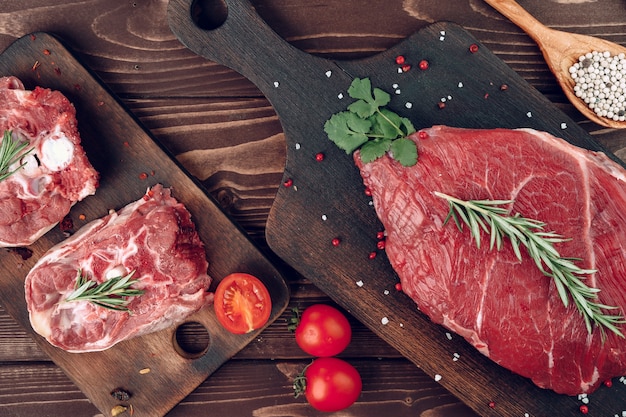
(324,217)
(329,73)
(408,105)
(438,378)
(386,292)
(384,321)
(276,84)
(529,114)
(563,125)
(297,146)
(340,96)
(455,357)
(448,335)
(460,84)
(398,91)
(359,283)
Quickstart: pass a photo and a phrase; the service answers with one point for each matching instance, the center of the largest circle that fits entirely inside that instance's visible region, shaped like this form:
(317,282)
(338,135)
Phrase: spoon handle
(518,15)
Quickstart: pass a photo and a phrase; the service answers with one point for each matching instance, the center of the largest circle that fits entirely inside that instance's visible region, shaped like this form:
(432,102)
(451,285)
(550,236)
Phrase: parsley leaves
(368,125)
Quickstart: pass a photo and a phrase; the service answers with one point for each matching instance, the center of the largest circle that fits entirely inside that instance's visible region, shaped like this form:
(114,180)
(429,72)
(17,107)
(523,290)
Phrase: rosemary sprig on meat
(112,293)
(11,151)
(492,218)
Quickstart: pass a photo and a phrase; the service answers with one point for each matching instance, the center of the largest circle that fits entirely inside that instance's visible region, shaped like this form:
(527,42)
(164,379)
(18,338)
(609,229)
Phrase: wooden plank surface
(208,116)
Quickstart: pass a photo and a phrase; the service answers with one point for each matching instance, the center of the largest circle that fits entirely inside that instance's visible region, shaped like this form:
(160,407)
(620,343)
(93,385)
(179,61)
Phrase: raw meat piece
(155,238)
(56,175)
(505,308)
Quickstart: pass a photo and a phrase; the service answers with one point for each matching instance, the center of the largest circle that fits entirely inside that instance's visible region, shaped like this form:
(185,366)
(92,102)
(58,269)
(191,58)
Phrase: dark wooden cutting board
(463,86)
(155,369)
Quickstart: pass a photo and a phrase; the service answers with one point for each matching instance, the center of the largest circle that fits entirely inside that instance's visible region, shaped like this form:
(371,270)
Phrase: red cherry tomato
(323,331)
(332,384)
(242,303)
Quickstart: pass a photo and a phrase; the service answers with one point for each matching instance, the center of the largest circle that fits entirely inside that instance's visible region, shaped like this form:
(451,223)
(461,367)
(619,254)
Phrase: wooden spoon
(561,50)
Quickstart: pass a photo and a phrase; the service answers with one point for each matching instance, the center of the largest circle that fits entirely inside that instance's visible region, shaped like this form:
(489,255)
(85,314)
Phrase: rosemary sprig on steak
(11,151)
(495,220)
(112,293)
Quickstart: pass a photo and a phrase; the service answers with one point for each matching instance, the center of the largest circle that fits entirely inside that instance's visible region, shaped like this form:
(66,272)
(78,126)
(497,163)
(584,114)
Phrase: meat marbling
(505,308)
(55,176)
(154,237)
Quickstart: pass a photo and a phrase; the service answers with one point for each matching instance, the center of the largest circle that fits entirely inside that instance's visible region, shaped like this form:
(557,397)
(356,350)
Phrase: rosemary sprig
(495,220)
(112,293)
(11,151)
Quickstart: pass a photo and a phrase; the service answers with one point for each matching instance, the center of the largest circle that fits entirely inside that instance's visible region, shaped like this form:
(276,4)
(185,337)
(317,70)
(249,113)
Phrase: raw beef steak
(505,308)
(155,238)
(56,173)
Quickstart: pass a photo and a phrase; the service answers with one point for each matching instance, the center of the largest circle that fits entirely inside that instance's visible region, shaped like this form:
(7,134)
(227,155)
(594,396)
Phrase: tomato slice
(242,303)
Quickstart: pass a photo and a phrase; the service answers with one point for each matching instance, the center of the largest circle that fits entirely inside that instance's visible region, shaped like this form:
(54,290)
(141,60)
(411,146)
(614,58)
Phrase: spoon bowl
(561,50)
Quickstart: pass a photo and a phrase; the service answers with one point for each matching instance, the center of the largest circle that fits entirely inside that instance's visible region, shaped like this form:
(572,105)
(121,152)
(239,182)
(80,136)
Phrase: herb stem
(11,151)
(495,220)
(112,294)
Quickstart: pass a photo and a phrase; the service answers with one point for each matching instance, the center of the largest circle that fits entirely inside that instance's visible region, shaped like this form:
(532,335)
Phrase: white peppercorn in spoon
(561,51)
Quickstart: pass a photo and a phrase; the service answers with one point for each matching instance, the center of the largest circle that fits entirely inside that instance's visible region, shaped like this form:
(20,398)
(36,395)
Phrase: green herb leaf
(11,151)
(404,150)
(347,130)
(112,293)
(493,219)
(368,125)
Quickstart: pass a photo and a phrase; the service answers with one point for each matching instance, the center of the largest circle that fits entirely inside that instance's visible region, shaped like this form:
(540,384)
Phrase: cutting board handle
(243,42)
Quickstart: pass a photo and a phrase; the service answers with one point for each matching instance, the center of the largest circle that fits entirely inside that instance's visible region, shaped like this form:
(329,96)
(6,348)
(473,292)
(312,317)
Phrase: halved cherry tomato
(323,331)
(330,384)
(242,303)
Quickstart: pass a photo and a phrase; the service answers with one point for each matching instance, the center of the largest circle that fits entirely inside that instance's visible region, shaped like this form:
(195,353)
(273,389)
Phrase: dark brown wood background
(222,129)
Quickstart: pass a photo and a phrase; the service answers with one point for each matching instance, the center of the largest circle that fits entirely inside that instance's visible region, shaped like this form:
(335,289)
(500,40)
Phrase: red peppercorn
(608,383)
(473,48)
(143,176)
(319,157)
(372,255)
(335,242)
(406,68)
(422,135)
(423,65)
(368,192)
(504,87)
(398,286)
(492,404)
(584,409)
(400,60)
(441,105)
(380,235)
(288,182)
(381,244)
(46,52)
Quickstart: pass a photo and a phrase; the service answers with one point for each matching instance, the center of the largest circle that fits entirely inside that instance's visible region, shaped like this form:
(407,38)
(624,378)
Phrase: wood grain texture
(130,47)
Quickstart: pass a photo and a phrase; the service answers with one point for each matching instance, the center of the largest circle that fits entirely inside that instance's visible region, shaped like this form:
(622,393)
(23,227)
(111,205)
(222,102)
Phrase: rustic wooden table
(191,104)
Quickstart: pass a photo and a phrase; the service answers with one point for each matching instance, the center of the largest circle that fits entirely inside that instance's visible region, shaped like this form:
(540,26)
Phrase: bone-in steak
(155,239)
(505,308)
(55,175)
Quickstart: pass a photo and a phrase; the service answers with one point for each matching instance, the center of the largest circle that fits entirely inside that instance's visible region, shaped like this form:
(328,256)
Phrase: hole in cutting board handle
(209,14)
(191,340)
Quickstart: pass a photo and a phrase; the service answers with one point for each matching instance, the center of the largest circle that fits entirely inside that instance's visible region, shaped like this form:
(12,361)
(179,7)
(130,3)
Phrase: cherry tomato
(242,303)
(323,331)
(331,384)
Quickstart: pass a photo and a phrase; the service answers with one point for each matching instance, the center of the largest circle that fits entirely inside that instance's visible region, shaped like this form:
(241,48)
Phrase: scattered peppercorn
(492,404)
(398,286)
(504,87)
(584,409)
(424,65)
(335,242)
(120,394)
(288,182)
(380,235)
(372,255)
(368,192)
(46,52)
(422,135)
(143,176)
(441,105)
(319,157)
(406,68)
(473,48)
(400,60)
(381,244)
